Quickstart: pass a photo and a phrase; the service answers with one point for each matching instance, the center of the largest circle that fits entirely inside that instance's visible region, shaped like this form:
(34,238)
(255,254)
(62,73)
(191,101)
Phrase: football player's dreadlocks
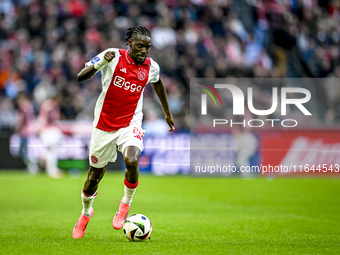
(136,30)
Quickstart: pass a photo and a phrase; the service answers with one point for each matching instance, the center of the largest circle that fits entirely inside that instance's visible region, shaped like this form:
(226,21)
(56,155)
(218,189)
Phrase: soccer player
(118,117)
(25,123)
(50,134)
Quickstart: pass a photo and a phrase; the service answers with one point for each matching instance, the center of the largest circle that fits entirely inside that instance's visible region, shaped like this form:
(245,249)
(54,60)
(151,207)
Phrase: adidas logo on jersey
(123,70)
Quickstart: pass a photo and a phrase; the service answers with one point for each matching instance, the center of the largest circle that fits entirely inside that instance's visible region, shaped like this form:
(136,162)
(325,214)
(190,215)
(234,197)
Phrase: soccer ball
(137,227)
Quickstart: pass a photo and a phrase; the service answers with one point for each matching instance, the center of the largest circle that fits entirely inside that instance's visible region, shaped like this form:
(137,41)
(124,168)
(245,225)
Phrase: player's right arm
(88,71)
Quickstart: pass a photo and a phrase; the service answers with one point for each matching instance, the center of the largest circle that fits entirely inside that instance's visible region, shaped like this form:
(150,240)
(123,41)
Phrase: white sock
(128,194)
(87,203)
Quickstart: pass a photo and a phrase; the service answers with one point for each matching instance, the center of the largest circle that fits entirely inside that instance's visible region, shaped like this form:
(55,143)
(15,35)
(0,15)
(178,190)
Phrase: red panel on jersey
(125,90)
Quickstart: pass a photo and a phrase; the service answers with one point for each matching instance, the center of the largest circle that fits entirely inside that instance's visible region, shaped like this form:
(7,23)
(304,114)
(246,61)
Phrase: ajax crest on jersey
(141,75)
(137,227)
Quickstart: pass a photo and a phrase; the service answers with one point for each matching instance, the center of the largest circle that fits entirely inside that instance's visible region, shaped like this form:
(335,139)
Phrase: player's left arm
(161,93)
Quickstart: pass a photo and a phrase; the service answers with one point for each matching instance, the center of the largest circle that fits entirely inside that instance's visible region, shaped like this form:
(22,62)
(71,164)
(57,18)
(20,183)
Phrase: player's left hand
(170,120)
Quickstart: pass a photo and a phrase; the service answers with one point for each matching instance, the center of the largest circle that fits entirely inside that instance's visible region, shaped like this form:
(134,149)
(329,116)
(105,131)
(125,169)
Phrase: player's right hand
(170,120)
(109,55)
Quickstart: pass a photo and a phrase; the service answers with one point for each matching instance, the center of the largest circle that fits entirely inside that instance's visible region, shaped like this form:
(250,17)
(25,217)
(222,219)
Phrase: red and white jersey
(121,100)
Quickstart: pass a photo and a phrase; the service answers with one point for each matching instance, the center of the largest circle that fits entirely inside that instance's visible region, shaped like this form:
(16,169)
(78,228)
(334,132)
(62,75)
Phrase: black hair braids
(136,30)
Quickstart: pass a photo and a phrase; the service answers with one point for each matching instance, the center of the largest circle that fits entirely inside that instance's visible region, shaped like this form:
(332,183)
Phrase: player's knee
(96,174)
(131,162)
(94,179)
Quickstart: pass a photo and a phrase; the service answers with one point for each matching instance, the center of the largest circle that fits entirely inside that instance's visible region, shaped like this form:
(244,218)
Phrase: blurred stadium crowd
(44,44)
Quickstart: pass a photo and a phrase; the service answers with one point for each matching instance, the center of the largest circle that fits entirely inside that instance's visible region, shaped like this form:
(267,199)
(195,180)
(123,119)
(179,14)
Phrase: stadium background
(44,44)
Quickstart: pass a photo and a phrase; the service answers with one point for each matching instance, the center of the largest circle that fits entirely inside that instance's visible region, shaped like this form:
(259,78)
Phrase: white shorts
(103,148)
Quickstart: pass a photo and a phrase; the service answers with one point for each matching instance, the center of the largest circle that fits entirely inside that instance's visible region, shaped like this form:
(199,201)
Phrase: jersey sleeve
(100,56)
(154,72)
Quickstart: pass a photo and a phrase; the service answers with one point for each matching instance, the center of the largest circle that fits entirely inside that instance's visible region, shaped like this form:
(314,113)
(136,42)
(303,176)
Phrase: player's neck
(134,60)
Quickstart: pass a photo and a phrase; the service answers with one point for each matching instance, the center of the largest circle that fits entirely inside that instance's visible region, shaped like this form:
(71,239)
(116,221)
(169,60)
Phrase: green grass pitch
(189,215)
